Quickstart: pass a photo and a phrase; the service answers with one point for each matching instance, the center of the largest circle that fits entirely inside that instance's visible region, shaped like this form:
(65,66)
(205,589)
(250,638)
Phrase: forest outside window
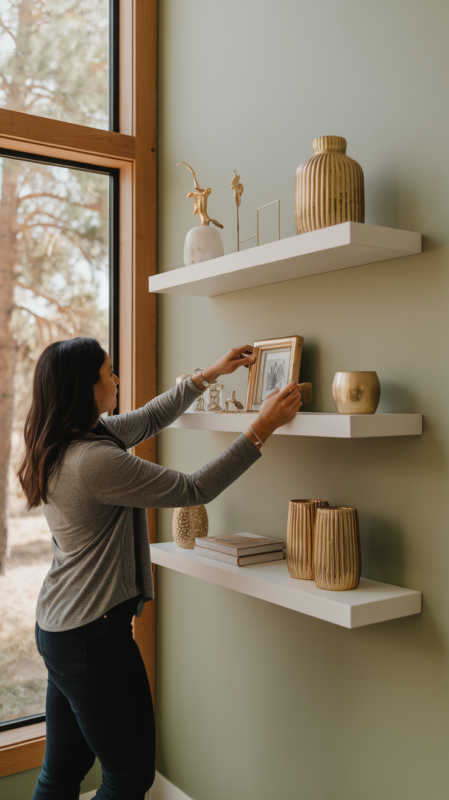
(49,112)
(54,58)
(57,61)
(56,253)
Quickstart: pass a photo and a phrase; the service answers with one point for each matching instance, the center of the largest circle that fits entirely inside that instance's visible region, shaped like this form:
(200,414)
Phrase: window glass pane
(54,240)
(54,59)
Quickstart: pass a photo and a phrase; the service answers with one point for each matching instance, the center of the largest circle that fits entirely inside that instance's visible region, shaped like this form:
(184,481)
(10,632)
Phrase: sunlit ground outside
(23,677)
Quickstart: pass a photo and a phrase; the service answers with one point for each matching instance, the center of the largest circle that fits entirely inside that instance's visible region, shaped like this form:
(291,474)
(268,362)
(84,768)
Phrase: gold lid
(329,144)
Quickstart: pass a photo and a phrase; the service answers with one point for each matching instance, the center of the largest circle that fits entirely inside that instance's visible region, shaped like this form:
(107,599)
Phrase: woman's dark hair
(62,409)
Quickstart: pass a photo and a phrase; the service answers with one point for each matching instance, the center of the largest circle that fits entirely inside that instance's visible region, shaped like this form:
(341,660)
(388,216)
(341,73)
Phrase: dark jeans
(98,704)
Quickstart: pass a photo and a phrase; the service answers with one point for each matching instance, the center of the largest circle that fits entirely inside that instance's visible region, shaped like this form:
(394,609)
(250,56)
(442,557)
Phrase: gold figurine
(200,200)
(214,397)
(238,189)
(232,401)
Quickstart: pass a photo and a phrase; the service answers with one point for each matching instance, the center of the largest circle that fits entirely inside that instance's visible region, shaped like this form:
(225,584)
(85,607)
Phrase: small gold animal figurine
(214,396)
(199,404)
(238,189)
(200,200)
(232,401)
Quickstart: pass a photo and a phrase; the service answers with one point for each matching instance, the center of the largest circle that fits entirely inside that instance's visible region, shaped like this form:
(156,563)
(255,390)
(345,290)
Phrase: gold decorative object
(238,191)
(203,242)
(198,404)
(329,187)
(200,200)
(232,401)
(214,397)
(187,524)
(356,392)
(336,554)
(237,187)
(306,392)
(300,529)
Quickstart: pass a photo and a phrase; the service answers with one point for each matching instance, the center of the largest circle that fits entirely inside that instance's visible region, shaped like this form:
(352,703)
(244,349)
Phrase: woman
(94,496)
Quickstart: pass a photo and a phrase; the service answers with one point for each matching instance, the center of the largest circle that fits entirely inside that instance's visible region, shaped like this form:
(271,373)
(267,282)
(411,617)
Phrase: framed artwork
(277,363)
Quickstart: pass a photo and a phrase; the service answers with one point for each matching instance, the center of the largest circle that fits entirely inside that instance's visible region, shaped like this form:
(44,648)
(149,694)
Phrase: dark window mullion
(21,722)
(113,65)
(114,250)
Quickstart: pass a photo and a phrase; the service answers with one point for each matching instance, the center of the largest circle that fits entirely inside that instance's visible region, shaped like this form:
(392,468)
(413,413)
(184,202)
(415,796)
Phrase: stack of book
(239,549)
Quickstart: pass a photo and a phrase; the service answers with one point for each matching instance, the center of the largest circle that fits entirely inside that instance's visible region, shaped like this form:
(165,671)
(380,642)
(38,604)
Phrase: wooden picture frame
(278,362)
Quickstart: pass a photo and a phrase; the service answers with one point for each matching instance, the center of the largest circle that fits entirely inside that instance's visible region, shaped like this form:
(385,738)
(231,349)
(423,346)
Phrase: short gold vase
(329,187)
(300,530)
(336,554)
(356,392)
(188,523)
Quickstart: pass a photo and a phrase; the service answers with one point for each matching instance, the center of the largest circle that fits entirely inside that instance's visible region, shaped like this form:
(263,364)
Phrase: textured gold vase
(336,553)
(329,187)
(187,524)
(356,392)
(300,528)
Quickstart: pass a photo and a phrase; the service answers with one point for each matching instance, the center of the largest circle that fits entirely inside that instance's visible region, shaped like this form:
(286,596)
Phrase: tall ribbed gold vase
(329,187)
(300,527)
(336,554)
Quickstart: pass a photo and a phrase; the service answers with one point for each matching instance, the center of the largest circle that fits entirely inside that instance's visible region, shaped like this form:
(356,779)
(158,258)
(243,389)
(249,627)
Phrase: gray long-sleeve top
(97,505)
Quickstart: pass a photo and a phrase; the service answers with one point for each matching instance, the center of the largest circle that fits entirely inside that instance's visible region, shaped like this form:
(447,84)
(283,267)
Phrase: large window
(58,259)
(59,274)
(54,59)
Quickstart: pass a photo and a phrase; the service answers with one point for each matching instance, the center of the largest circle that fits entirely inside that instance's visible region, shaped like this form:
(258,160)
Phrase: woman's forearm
(114,477)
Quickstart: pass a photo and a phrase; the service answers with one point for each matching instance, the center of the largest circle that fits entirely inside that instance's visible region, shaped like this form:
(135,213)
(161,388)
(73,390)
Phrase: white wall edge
(162,789)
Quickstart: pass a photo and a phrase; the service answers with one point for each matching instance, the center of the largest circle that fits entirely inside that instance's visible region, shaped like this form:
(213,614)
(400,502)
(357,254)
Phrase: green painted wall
(255,701)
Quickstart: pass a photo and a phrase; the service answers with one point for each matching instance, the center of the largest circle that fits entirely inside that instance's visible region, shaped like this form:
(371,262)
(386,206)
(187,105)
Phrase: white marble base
(202,244)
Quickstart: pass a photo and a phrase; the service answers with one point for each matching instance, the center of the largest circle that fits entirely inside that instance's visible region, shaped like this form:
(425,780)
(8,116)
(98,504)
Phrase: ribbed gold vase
(336,554)
(300,527)
(329,187)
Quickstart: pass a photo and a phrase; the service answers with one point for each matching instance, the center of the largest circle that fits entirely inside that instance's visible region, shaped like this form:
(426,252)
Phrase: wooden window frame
(133,152)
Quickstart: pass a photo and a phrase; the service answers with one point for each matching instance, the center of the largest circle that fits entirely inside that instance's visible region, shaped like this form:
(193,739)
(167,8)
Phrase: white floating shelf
(336,426)
(370,602)
(350,244)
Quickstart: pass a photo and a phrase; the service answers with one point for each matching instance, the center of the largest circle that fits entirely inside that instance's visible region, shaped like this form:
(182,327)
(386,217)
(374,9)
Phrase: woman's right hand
(277,409)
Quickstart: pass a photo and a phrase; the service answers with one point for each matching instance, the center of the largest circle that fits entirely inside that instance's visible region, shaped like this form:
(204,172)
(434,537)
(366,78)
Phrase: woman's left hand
(237,357)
